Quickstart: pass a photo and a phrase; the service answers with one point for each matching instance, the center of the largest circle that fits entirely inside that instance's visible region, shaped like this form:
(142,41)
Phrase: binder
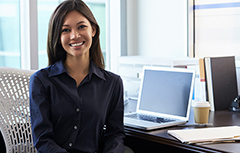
(221,81)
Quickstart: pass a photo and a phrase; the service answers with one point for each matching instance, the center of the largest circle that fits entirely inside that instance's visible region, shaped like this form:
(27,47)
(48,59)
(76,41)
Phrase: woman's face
(76,35)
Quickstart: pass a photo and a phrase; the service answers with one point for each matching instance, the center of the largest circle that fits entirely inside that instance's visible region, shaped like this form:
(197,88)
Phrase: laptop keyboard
(149,118)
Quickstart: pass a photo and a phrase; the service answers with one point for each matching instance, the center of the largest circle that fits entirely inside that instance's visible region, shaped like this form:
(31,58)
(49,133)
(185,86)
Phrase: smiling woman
(75,104)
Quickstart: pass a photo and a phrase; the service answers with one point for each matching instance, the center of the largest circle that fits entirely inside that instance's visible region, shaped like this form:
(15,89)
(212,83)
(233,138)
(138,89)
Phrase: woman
(76,106)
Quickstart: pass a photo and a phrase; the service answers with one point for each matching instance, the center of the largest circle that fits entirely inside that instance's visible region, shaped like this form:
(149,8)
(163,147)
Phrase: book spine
(208,71)
(202,87)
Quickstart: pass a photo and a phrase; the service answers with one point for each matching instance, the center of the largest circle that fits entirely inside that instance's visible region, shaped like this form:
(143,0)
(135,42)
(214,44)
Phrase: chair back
(15,122)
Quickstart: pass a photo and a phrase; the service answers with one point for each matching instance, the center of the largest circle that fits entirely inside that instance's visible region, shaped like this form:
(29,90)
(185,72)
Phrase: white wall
(217,33)
(154,28)
(157,28)
(132,32)
(217,30)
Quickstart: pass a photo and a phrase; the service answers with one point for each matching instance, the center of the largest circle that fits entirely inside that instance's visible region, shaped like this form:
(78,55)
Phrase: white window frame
(114,32)
(29,34)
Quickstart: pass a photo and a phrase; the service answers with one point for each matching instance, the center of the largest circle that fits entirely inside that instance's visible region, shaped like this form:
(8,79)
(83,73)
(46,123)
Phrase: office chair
(15,122)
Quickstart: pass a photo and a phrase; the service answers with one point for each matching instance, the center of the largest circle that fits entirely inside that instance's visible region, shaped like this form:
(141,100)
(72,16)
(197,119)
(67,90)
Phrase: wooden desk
(160,140)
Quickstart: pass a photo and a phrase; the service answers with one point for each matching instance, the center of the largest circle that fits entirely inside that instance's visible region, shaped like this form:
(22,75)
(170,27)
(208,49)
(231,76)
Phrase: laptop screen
(166,90)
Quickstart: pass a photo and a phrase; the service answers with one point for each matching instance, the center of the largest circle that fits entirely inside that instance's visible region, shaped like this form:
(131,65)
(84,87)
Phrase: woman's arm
(42,129)
(113,138)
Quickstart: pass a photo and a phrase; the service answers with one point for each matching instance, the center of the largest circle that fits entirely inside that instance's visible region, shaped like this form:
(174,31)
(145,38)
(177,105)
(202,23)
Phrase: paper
(207,134)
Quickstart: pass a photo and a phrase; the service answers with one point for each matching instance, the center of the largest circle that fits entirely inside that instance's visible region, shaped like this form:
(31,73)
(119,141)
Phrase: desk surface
(218,118)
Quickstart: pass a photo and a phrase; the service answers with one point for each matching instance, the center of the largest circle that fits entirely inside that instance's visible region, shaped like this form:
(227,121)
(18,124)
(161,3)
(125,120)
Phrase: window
(10,33)
(217,28)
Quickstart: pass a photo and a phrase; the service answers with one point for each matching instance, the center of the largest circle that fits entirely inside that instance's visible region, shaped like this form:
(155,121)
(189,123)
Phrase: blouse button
(75,127)
(77,110)
(70,144)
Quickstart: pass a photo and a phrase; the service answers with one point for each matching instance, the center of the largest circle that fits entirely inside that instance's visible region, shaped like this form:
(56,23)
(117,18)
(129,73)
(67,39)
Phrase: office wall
(217,33)
(217,27)
(157,28)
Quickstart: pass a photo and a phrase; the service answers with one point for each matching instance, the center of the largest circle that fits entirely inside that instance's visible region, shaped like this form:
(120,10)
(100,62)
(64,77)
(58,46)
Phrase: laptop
(164,100)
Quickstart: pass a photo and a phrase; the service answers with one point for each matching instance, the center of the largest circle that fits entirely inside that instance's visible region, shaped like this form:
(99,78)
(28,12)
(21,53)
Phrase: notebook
(164,100)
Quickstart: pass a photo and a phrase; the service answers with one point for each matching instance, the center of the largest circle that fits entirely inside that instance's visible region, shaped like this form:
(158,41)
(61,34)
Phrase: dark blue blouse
(66,118)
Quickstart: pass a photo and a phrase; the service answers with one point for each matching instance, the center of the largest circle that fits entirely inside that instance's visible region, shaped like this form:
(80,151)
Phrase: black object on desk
(235,106)
(221,81)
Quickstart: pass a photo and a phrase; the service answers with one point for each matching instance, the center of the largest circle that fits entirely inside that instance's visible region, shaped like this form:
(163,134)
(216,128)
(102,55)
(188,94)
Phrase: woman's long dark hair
(54,48)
